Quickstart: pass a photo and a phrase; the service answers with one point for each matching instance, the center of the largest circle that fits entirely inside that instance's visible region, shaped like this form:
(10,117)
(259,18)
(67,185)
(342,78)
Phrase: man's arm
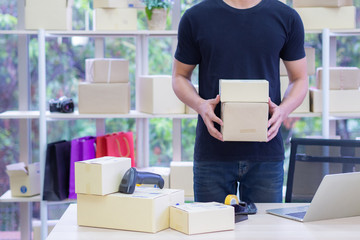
(185,91)
(294,95)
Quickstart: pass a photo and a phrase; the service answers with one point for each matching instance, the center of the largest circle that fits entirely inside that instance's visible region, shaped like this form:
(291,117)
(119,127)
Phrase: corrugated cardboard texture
(157,95)
(244,121)
(147,210)
(100,176)
(195,218)
(318,18)
(243,90)
(340,78)
(104,98)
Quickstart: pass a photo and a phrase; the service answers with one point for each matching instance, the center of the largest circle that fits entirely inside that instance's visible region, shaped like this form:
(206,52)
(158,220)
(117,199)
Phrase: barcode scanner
(133,177)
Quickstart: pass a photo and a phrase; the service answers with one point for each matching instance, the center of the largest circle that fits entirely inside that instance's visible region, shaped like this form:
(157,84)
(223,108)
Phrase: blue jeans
(258,182)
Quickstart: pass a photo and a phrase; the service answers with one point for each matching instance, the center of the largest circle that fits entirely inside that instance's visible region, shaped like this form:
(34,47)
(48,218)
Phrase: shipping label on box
(318,18)
(339,101)
(108,19)
(110,4)
(157,95)
(304,106)
(322,3)
(243,90)
(195,218)
(51,15)
(100,176)
(104,98)
(310,59)
(24,180)
(244,121)
(181,177)
(340,78)
(107,70)
(147,210)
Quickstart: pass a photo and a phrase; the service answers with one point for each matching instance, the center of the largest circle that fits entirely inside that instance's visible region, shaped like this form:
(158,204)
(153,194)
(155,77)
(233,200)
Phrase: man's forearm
(295,94)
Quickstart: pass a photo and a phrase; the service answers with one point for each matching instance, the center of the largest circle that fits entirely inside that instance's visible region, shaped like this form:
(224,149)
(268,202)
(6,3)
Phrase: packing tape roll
(231,200)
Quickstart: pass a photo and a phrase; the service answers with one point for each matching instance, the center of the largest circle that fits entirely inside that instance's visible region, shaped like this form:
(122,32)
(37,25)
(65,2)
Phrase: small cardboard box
(341,78)
(164,172)
(244,121)
(104,98)
(339,100)
(100,176)
(146,210)
(304,106)
(109,19)
(157,95)
(244,90)
(195,218)
(24,180)
(48,14)
(322,3)
(110,4)
(107,70)
(317,18)
(181,177)
(310,59)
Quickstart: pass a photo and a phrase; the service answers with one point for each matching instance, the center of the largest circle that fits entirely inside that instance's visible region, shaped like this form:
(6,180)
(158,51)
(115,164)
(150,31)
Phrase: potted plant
(156,13)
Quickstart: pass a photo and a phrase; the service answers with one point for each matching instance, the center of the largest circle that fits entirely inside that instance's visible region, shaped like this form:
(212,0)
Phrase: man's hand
(276,119)
(206,110)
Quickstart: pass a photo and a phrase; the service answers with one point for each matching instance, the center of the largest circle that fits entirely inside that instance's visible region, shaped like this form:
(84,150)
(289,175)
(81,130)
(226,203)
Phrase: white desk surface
(261,226)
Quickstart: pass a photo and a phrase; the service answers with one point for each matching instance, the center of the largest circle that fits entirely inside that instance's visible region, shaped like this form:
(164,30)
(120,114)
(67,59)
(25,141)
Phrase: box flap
(103,160)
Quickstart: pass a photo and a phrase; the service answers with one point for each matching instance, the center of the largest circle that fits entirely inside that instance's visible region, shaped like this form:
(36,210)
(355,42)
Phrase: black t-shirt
(230,43)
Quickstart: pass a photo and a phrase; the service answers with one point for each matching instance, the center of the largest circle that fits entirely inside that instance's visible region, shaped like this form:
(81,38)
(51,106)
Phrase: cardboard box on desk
(110,4)
(107,70)
(109,19)
(157,95)
(304,106)
(181,177)
(243,90)
(244,121)
(310,59)
(48,14)
(322,3)
(104,98)
(339,100)
(195,218)
(100,176)
(146,210)
(340,78)
(317,18)
(24,180)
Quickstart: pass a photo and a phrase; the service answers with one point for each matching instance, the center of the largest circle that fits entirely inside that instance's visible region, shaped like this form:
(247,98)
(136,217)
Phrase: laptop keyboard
(300,215)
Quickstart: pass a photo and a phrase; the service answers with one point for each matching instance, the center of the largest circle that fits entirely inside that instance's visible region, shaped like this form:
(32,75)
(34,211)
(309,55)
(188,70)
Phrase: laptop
(337,196)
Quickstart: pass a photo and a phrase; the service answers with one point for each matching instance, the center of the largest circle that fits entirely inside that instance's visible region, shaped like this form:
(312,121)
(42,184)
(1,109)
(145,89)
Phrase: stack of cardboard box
(344,91)
(99,204)
(114,15)
(48,14)
(157,95)
(107,87)
(244,109)
(284,79)
(333,14)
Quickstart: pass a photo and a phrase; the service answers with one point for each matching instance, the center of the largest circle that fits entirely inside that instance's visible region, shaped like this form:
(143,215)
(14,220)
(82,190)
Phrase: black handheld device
(133,177)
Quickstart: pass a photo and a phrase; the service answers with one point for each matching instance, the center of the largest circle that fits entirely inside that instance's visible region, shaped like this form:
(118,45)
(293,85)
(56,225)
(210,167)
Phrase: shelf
(335,116)
(18,32)
(132,114)
(304,115)
(82,33)
(20,115)
(6,197)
